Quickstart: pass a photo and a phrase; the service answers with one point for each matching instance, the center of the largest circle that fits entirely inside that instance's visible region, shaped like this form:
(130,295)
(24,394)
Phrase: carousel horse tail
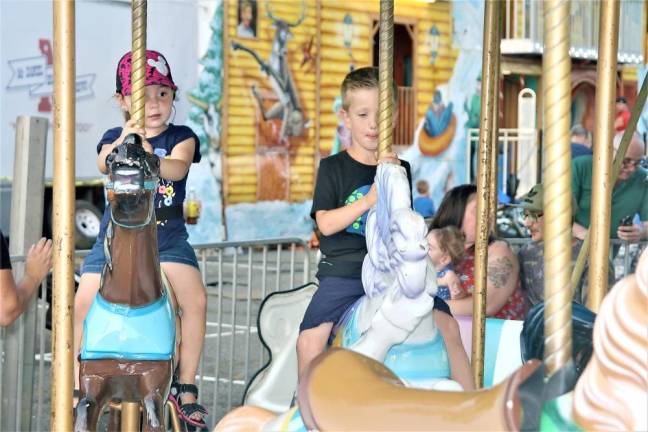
(335,382)
(246,418)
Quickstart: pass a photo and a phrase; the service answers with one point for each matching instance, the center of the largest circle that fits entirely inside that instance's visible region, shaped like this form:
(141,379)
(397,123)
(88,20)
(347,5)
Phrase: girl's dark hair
(452,208)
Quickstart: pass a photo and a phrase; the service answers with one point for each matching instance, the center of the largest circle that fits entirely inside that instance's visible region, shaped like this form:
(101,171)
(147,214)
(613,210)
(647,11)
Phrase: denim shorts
(179,252)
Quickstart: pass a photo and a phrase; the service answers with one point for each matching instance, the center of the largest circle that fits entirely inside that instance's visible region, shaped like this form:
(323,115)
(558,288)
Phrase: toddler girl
(446,250)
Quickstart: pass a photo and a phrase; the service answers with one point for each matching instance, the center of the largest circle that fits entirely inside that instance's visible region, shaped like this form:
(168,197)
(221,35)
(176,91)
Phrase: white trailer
(103,34)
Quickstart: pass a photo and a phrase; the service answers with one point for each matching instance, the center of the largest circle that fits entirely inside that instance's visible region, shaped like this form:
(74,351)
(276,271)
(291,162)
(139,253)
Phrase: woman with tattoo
(504,297)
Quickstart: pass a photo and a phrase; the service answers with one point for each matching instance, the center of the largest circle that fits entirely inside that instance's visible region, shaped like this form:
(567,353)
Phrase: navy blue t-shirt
(169,193)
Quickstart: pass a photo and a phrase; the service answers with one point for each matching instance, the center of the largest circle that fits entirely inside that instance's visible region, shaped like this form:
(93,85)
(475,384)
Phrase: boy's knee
(312,340)
(304,342)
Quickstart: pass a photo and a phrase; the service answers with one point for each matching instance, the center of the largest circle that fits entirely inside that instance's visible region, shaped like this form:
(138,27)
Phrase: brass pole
(556,69)
(602,160)
(130,409)
(386,75)
(491,40)
(616,167)
(493,191)
(130,416)
(63,229)
(138,74)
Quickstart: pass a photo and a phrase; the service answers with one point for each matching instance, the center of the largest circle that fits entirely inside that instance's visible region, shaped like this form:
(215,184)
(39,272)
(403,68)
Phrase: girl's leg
(192,300)
(459,364)
(88,287)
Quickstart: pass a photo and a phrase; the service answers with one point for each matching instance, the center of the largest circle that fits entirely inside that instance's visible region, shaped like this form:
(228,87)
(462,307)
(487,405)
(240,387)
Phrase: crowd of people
(515,280)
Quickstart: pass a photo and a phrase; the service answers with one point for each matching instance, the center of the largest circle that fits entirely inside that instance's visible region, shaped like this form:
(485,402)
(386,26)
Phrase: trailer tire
(87,221)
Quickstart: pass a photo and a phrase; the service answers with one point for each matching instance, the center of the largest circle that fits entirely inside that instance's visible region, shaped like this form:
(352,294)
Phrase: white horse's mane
(397,275)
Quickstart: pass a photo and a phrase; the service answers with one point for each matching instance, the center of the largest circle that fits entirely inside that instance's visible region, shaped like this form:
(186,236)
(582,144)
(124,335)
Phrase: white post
(26,228)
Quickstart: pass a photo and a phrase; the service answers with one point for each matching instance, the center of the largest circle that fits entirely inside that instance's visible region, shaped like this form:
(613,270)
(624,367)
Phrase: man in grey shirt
(531,255)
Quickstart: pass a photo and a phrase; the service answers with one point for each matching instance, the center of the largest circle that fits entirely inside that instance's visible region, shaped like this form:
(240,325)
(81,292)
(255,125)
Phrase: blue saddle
(410,361)
(117,331)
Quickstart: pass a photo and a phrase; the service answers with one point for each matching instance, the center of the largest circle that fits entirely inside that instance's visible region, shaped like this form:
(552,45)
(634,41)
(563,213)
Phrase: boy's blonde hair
(451,241)
(363,78)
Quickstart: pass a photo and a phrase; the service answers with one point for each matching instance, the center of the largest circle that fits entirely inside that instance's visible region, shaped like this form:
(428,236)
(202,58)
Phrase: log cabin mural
(269,108)
(314,45)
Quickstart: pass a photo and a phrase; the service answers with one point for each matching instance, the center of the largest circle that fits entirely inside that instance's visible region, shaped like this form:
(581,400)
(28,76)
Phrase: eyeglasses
(631,163)
(532,216)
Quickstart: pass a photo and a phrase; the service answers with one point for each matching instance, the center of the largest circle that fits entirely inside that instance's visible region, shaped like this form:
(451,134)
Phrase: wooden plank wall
(240,149)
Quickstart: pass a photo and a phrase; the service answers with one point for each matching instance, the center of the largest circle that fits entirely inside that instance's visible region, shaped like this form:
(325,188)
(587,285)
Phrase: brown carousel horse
(129,335)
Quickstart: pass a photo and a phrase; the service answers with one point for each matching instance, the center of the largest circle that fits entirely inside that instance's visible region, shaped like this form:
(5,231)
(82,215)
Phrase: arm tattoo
(500,271)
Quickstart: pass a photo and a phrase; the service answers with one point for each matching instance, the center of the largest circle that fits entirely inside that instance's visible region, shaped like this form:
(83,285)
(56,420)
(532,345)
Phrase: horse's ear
(133,138)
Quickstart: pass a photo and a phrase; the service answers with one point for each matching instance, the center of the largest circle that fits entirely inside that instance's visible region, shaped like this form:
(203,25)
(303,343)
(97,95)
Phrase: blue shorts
(180,252)
(333,297)
(337,294)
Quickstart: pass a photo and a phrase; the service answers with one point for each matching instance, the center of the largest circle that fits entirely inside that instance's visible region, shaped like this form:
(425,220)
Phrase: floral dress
(515,307)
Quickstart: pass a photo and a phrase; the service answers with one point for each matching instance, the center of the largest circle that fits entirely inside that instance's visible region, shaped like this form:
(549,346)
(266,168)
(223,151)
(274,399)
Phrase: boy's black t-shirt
(5,261)
(340,181)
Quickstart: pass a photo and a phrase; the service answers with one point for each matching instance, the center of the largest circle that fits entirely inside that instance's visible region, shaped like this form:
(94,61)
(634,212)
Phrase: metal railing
(623,255)
(509,147)
(237,276)
(524,24)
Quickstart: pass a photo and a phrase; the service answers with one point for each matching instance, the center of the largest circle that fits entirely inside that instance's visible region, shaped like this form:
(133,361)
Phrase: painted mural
(267,106)
(452,104)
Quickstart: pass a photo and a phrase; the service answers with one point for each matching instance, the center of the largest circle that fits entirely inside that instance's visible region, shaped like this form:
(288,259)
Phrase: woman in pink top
(504,298)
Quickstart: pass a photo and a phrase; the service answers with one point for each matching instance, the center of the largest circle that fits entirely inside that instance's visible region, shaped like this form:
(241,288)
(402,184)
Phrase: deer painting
(287,108)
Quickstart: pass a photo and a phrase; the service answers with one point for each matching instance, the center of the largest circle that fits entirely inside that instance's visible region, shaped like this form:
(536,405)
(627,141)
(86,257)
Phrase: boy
(423,203)
(344,193)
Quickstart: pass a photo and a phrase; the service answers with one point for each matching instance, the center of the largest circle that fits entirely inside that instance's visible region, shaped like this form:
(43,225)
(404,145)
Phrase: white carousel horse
(393,323)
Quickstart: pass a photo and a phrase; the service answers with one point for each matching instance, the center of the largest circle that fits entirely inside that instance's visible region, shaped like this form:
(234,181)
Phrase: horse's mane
(612,393)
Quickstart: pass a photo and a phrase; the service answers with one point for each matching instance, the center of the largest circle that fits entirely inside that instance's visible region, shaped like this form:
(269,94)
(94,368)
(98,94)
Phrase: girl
(177,147)
(446,251)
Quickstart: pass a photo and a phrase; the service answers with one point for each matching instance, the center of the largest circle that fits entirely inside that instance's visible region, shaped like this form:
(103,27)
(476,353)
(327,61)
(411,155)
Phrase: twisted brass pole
(492,191)
(130,410)
(63,229)
(386,75)
(556,70)
(602,160)
(138,74)
(484,182)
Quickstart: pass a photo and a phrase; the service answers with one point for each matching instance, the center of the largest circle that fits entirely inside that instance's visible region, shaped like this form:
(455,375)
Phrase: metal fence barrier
(237,276)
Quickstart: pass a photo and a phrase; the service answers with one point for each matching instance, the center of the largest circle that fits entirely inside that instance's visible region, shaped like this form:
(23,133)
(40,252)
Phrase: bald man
(629,194)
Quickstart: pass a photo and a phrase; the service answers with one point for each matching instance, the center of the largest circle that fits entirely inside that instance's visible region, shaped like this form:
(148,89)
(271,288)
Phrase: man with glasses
(629,194)
(531,255)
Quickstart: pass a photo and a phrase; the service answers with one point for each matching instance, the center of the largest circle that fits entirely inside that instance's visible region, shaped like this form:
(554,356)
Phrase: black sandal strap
(178,388)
